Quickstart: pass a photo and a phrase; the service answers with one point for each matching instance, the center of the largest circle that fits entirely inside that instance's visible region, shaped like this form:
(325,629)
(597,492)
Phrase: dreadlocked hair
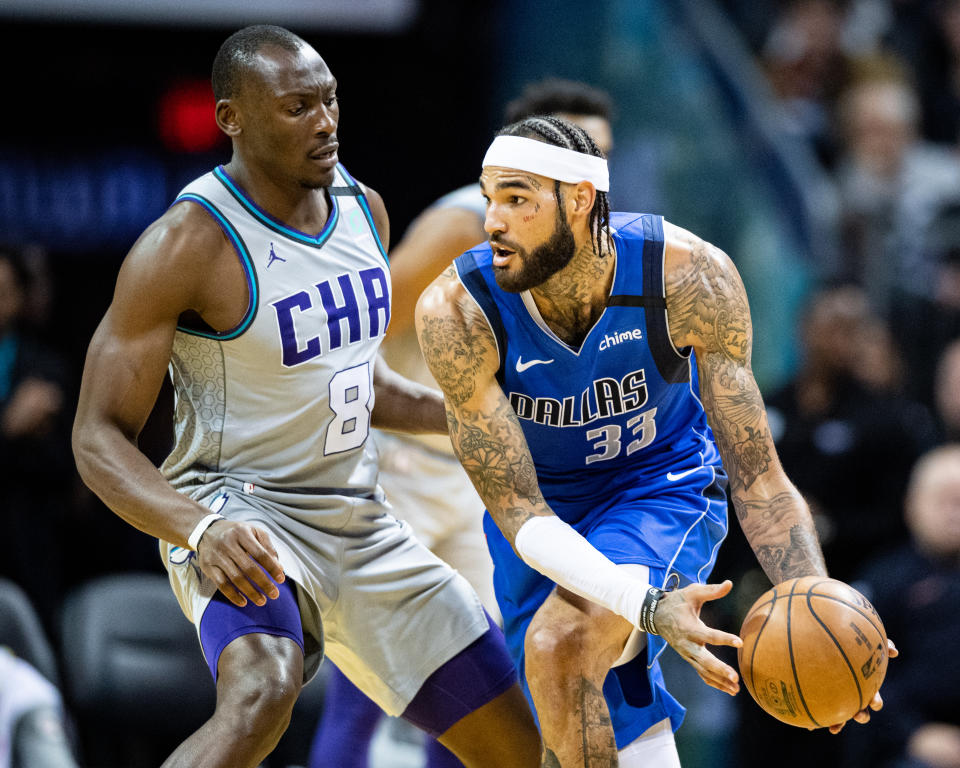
(563,133)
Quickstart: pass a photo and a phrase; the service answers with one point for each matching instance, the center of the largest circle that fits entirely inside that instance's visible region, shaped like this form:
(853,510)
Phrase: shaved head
(238,52)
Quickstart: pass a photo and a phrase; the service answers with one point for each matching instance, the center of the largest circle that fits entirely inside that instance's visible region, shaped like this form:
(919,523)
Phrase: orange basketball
(814,652)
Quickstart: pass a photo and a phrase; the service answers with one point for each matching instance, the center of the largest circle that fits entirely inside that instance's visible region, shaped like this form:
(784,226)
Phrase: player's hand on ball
(876,703)
(241,561)
(677,620)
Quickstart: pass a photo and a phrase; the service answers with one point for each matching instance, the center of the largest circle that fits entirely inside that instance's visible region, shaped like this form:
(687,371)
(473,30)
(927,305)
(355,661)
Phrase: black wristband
(649,608)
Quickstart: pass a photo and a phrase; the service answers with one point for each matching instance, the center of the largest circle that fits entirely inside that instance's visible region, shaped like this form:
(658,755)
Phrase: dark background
(414,121)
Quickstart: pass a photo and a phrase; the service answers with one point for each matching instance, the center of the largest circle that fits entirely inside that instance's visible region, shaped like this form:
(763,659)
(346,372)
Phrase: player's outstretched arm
(707,309)
(125,364)
(403,405)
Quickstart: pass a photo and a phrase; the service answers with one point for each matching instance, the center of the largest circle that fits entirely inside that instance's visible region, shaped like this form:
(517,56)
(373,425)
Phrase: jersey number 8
(351,391)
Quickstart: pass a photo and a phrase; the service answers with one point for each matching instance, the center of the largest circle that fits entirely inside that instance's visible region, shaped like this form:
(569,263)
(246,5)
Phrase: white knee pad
(654,748)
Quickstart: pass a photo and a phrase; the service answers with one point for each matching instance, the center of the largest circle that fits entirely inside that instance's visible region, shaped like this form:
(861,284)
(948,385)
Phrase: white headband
(548,160)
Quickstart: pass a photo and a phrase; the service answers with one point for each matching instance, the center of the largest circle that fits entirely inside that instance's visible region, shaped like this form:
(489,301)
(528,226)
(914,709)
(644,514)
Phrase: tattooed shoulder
(706,302)
(707,310)
(456,341)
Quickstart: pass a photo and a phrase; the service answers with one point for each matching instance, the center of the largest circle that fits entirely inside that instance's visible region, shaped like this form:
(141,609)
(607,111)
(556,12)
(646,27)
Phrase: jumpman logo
(273,257)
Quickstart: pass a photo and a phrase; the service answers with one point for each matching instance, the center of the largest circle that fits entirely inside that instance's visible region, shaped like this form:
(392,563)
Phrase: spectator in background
(947,392)
(34,448)
(847,437)
(847,445)
(881,366)
(807,68)
(32,732)
(892,184)
(939,72)
(916,588)
(927,324)
(39,294)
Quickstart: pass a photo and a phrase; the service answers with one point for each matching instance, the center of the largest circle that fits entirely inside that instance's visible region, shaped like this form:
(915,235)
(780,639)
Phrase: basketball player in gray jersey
(265,289)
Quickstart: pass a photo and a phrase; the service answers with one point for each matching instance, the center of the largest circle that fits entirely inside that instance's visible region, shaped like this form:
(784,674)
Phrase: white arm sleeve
(555,549)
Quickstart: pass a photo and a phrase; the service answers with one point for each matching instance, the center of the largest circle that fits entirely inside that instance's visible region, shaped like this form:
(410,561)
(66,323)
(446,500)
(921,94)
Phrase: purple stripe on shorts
(475,676)
(223,622)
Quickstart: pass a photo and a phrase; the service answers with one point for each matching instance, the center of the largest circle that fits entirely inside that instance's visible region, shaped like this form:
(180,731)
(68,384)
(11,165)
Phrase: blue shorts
(672,533)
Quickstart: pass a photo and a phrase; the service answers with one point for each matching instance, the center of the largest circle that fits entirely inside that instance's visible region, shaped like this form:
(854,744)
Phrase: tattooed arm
(707,310)
(461,351)
(487,437)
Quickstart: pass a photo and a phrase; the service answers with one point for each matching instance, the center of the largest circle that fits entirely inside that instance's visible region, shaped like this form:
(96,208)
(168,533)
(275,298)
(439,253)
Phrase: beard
(542,263)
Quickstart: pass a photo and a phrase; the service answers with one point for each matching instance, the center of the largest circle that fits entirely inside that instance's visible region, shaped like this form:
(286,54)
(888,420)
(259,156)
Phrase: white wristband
(556,550)
(194,538)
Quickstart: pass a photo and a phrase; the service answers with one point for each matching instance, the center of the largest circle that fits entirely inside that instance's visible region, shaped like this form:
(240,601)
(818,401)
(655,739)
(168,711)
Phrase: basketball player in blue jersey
(265,290)
(419,474)
(596,368)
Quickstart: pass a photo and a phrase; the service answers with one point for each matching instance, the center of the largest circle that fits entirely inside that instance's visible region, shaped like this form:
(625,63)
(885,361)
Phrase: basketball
(814,652)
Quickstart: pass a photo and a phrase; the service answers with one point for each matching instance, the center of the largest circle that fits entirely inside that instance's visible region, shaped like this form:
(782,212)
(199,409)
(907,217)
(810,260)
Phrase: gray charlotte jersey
(272,428)
(283,400)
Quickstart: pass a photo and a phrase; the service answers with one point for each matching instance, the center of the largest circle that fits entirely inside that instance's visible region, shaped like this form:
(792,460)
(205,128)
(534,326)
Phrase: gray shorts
(431,491)
(385,610)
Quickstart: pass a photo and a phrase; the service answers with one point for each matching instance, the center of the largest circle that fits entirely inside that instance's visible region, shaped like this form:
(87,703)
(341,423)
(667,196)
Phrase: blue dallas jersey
(620,442)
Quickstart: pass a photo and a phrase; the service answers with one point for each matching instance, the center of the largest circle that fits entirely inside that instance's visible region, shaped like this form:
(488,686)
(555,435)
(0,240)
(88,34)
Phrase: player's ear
(227,118)
(583,197)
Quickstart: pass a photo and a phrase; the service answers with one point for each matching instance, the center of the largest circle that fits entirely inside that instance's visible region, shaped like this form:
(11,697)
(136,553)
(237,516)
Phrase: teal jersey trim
(249,272)
(365,207)
(271,223)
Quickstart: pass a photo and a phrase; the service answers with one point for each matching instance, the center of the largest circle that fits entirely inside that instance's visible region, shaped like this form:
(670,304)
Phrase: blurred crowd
(868,426)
